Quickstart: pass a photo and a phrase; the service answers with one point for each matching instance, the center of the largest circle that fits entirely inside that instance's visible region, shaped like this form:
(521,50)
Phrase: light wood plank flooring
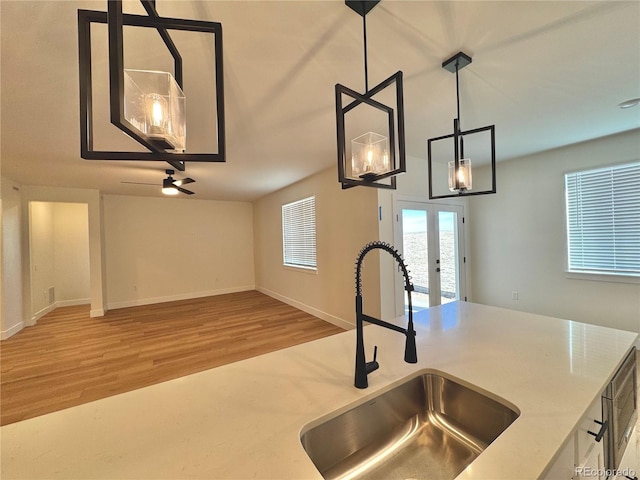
(69,358)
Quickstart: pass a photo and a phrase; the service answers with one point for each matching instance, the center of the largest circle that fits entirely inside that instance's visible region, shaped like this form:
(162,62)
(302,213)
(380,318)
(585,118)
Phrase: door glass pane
(415,253)
(449,274)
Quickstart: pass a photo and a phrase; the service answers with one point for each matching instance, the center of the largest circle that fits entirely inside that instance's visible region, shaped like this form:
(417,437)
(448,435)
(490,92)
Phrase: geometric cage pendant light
(459,174)
(149,106)
(370,133)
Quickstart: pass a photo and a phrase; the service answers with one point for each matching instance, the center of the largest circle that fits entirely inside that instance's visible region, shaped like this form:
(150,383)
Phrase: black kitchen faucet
(364,368)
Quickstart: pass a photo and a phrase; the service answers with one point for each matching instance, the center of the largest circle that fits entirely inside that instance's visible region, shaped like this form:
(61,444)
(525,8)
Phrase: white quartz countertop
(244,420)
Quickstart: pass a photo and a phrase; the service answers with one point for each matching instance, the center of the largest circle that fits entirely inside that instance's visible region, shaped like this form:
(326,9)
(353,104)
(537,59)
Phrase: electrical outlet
(515,295)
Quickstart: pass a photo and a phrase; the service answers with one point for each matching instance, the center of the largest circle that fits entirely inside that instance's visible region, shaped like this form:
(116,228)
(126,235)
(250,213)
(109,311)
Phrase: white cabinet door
(589,427)
(590,444)
(630,462)
(593,465)
(563,467)
(583,455)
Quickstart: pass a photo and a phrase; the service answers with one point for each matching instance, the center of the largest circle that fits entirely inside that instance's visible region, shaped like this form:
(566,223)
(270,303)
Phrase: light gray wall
(517,239)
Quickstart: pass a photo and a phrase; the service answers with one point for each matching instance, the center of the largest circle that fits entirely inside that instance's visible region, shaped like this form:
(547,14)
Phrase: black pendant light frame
(362,7)
(454,65)
(115,20)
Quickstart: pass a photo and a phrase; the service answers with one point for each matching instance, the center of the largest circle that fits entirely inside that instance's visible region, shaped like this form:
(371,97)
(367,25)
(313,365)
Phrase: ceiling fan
(170,186)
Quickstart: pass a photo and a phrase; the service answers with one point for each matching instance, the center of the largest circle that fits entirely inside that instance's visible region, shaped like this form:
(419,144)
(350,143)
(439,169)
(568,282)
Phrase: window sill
(307,270)
(603,277)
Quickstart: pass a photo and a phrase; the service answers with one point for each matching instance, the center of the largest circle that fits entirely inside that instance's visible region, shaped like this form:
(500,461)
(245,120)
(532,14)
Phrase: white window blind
(603,220)
(299,233)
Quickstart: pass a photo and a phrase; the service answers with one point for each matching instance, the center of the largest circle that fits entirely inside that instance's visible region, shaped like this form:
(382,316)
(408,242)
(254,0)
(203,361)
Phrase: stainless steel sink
(428,427)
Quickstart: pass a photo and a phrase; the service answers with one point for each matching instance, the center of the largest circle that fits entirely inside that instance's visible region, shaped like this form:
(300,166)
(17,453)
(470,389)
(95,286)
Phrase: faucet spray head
(410,355)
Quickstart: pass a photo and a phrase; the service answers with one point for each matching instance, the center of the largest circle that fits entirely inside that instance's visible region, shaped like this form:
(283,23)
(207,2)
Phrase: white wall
(71,251)
(42,257)
(518,239)
(11,314)
(163,249)
(345,221)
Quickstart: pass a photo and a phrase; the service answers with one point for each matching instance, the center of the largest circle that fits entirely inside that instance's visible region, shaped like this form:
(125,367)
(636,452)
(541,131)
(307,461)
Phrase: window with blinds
(299,233)
(603,220)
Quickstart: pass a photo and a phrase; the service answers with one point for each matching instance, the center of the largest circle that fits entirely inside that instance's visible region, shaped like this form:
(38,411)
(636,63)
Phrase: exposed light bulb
(369,166)
(461,176)
(157,111)
(157,114)
(460,180)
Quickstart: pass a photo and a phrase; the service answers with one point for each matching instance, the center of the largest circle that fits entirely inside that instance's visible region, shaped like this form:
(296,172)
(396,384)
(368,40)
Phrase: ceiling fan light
(168,188)
(170,191)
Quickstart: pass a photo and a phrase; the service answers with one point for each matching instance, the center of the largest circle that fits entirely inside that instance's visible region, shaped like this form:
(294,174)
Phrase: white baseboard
(9,332)
(38,315)
(72,303)
(327,317)
(50,308)
(173,298)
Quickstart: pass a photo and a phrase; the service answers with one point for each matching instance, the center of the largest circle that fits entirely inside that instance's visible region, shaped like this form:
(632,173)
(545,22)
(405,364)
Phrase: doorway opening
(59,256)
(430,237)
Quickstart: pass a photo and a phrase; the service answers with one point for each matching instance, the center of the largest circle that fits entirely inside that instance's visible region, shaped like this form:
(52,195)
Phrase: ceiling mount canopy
(460,181)
(376,151)
(148,105)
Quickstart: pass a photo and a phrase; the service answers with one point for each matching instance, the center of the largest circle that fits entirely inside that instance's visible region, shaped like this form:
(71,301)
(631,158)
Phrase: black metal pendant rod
(457,92)
(457,123)
(366,65)
(150,7)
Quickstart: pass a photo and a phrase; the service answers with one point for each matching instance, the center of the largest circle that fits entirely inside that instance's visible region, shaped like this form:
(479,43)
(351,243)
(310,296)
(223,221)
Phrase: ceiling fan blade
(184,181)
(184,190)
(141,183)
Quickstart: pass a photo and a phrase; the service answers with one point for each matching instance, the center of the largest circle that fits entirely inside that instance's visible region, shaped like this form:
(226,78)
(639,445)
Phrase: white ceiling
(546,73)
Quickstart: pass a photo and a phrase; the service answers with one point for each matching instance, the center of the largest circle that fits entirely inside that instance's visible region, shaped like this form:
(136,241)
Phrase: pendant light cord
(366,67)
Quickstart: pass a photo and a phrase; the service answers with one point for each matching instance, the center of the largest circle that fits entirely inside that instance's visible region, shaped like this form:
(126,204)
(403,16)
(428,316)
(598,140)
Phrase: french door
(430,237)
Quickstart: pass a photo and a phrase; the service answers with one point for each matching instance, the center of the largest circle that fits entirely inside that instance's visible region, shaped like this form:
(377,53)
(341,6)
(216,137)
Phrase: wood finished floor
(68,358)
